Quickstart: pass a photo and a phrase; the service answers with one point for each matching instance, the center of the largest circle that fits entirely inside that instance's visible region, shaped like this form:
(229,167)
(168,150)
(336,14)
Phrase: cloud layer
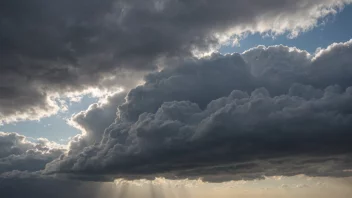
(268,111)
(54,47)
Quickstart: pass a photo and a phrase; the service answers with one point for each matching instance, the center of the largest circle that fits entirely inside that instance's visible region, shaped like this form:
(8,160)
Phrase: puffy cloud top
(268,111)
(17,153)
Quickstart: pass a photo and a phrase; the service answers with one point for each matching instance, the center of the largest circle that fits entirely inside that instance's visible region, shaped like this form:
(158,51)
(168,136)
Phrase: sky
(55,127)
(173,98)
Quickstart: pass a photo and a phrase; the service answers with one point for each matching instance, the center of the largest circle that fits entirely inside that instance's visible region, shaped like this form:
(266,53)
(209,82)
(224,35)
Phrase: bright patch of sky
(54,128)
(335,29)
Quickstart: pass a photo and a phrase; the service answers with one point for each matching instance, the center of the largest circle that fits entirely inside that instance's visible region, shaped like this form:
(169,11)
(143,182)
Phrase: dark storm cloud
(16,153)
(53,46)
(274,110)
(32,185)
(238,128)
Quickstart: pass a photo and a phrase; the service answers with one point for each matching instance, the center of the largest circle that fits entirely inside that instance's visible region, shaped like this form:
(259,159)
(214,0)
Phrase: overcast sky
(175,98)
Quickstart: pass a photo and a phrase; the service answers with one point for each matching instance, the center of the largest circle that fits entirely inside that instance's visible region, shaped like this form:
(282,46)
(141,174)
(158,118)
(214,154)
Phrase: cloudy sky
(175,98)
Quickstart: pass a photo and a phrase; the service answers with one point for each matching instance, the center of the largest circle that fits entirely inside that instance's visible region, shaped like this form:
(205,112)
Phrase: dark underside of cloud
(23,184)
(268,111)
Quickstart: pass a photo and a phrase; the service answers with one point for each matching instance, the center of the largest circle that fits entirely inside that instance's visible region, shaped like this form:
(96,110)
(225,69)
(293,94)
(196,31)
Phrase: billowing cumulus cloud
(268,111)
(94,120)
(17,153)
(54,47)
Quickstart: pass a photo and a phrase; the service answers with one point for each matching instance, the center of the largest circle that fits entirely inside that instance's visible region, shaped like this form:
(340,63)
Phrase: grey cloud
(32,185)
(244,128)
(276,68)
(17,153)
(275,110)
(60,46)
(280,64)
(94,121)
(260,169)
(199,81)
